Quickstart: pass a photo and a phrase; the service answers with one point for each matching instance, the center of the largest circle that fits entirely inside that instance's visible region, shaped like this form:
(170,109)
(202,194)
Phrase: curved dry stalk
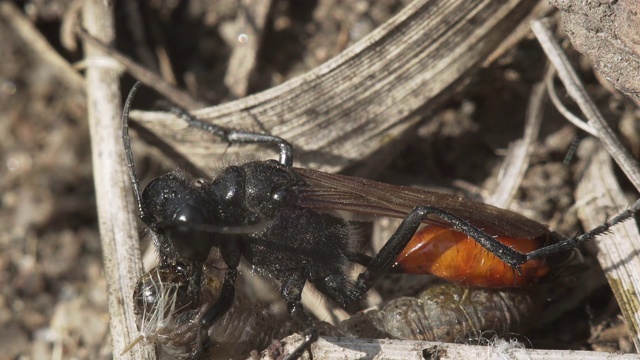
(578,93)
(116,213)
(367,97)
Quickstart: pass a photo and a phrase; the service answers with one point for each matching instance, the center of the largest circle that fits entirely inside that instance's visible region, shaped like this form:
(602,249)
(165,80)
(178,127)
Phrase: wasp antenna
(135,183)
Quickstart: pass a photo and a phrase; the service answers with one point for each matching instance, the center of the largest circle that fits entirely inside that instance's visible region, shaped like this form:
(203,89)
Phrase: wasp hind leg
(383,261)
(589,235)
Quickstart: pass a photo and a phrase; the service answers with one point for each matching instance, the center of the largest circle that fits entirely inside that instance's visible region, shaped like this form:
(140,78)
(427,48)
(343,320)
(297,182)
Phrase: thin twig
(40,46)
(69,22)
(149,78)
(579,94)
(571,117)
(518,160)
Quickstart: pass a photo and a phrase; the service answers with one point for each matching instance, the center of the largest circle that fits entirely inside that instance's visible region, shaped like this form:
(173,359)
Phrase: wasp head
(177,209)
(171,198)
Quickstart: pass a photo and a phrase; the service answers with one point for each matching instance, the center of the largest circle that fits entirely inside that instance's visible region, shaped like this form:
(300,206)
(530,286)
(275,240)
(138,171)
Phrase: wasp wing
(368,198)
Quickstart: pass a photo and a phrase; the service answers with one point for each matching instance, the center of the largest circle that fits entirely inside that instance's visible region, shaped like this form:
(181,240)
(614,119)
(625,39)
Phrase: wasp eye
(279,195)
(189,213)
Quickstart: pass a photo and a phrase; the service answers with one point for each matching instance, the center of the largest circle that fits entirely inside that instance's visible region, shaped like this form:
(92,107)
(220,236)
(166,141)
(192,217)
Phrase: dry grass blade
(366,97)
(346,349)
(599,191)
(116,215)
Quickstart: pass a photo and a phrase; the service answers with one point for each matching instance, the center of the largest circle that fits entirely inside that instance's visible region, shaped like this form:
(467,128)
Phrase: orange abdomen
(454,256)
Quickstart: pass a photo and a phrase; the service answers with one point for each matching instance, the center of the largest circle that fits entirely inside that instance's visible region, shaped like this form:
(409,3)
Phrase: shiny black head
(171,198)
(183,216)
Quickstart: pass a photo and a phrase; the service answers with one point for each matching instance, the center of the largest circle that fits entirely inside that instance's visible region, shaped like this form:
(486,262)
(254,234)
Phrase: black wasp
(283,220)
